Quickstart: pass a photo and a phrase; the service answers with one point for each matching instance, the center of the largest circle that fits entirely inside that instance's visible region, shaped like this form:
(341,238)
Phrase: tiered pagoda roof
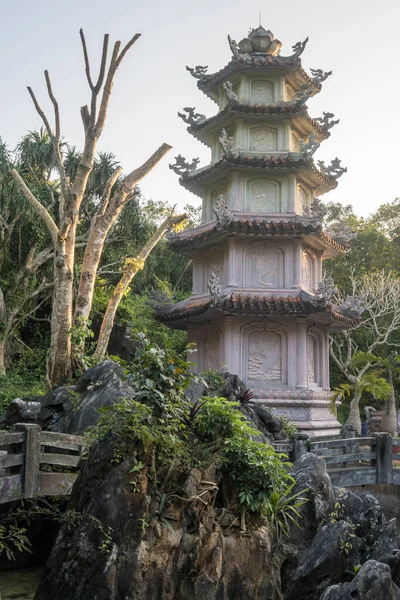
(292,161)
(214,231)
(256,304)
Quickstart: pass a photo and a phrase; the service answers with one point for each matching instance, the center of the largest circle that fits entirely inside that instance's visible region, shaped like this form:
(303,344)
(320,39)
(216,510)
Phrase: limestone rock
(21,411)
(372,582)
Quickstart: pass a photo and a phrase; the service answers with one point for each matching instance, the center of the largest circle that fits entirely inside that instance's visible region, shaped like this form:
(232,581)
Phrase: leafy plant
(243,395)
(281,509)
(12,539)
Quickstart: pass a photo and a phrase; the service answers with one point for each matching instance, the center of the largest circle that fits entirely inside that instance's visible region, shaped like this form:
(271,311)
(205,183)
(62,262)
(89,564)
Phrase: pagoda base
(308,409)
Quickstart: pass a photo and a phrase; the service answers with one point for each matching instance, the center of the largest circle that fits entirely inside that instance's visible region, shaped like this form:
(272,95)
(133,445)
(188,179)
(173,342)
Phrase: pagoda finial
(259,41)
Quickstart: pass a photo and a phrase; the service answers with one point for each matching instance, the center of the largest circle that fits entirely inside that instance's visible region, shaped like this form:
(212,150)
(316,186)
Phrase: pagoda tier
(258,305)
(208,130)
(248,227)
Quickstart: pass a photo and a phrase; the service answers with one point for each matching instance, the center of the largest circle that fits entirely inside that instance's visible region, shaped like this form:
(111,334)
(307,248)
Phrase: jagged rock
(75,408)
(196,558)
(310,474)
(324,563)
(21,411)
(372,582)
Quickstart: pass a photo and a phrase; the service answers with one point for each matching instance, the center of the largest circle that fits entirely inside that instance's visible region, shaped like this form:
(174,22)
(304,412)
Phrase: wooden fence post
(384,463)
(30,487)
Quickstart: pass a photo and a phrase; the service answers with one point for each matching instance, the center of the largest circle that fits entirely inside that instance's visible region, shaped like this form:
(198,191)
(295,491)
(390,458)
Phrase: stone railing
(37,463)
(352,461)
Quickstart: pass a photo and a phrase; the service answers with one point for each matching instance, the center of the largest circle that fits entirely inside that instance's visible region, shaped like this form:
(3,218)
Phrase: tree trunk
(354,418)
(100,228)
(59,365)
(389,416)
(133,265)
(2,357)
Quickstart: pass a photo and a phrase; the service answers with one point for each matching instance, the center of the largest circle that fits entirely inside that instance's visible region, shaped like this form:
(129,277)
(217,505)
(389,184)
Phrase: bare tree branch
(36,205)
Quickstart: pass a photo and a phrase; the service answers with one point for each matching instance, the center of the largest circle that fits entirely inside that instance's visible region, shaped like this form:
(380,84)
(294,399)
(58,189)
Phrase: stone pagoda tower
(259,306)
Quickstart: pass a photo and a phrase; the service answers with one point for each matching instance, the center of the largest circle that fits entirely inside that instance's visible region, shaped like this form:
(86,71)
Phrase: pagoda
(259,307)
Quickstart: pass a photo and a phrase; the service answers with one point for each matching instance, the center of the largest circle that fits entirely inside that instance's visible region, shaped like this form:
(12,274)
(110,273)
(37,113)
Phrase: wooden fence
(37,463)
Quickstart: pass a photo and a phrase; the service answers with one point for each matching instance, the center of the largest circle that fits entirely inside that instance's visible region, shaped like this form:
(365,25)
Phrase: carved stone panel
(211,350)
(214,263)
(263,266)
(263,139)
(221,190)
(307,272)
(311,360)
(264,356)
(301,200)
(262,92)
(263,196)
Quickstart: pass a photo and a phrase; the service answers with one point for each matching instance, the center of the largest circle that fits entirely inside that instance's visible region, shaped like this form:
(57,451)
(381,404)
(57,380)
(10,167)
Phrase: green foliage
(282,509)
(13,539)
(172,432)
(26,377)
(289,428)
(137,310)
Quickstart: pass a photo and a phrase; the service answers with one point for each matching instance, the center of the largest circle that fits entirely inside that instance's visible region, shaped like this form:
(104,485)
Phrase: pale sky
(357,39)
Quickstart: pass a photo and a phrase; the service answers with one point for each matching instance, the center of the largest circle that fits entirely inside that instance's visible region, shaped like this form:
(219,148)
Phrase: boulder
(73,409)
(182,552)
(21,411)
(372,582)
(310,474)
(324,563)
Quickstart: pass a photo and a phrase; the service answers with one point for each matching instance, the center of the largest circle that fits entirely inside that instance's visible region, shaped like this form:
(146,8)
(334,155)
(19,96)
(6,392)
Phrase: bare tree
(132,267)
(63,230)
(379,296)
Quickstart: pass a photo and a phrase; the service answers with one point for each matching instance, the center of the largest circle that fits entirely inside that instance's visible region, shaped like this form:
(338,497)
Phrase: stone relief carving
(334,170)
(232,97)
(341,232)
(303,94)
(326,289)
(307,272)
(294,414)
(319,75)
(354,304)
(311,363)
(262,92)
(263,139)
(264,266)
(226,142)
(221,209)
(326,122)
(310,146)
(215,261)
(265,356)
(301,200)
(214,286)
(317,210)
(199,72)
(181,165)
(211,350)
(192,117)
(263,197)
